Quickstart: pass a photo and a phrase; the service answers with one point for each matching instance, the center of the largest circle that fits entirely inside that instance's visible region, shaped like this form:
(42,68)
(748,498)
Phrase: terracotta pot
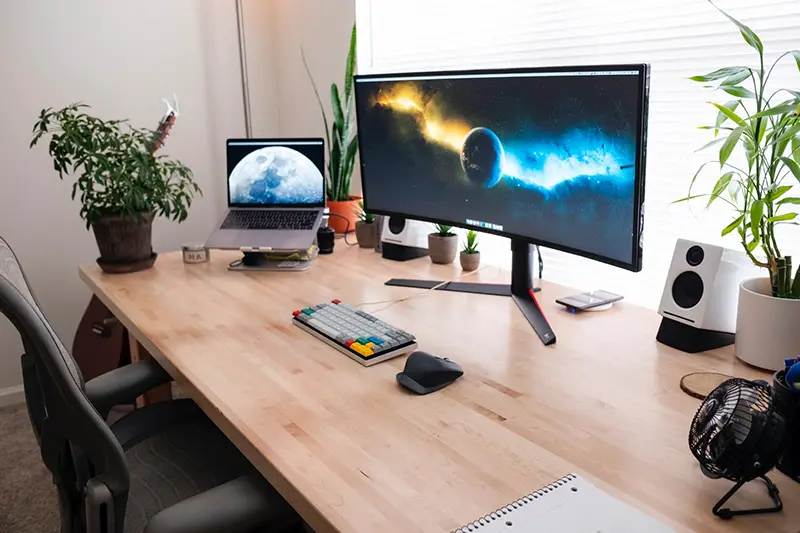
(442,248)
(470,262)
(366,234)
(124,239)
(347,209)
(767,328)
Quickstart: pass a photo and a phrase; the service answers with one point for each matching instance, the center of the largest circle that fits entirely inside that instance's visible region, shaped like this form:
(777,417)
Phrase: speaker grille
(687,289)
(397,224)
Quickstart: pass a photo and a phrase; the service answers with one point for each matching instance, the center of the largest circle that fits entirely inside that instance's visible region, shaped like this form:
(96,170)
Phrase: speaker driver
(687,289)
(397,225)
(695,255)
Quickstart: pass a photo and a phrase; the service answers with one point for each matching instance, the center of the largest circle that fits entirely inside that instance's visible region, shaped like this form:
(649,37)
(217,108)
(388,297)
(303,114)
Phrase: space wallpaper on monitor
(551,158)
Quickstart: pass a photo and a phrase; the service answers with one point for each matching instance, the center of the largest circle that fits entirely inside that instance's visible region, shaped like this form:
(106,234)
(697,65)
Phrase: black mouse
(425,373)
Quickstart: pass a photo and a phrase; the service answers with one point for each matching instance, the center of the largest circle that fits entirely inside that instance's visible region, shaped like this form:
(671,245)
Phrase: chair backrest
(75,441)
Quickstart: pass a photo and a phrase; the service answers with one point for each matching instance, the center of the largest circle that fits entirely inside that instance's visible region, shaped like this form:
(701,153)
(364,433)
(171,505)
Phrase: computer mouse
(425,373)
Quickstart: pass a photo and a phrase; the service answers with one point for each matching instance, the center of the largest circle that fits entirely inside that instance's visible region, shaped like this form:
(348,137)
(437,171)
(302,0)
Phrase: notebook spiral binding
(501,512)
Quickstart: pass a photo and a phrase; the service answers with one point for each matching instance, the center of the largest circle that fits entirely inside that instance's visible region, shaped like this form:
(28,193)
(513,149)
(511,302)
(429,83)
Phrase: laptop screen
(276,172)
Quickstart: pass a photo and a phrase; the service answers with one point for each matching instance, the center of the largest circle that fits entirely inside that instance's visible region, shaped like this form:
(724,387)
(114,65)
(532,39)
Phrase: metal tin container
(195,253)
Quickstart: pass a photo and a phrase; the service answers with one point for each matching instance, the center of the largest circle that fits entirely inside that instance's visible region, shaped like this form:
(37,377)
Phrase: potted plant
(342,145)
(443,245)
(470,256)
(764,125)
(365,227)
(121,183)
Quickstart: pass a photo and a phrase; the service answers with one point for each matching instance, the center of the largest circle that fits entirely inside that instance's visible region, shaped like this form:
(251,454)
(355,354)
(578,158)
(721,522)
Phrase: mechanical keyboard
(359,335)
(253,219)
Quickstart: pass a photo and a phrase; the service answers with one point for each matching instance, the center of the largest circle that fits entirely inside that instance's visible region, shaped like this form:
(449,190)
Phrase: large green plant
(765,124)
(341,136)
(117,170)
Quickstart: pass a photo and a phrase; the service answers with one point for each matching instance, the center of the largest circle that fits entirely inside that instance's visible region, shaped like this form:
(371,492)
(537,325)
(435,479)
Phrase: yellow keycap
(356,346)
(370,345)
(367,352)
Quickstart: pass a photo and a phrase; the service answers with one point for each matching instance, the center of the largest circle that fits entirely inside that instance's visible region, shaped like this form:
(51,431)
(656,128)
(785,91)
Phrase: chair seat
(173,452)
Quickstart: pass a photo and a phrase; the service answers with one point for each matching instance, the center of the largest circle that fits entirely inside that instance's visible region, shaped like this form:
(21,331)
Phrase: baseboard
(12,395)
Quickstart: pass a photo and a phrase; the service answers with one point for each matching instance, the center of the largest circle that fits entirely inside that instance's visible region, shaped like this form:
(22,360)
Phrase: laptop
(276,194)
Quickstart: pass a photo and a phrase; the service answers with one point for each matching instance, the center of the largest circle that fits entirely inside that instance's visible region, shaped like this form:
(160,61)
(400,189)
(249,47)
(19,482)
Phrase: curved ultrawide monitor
(554,156)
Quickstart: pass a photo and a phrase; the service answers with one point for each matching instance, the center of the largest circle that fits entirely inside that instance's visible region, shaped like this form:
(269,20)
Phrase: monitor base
(521,289)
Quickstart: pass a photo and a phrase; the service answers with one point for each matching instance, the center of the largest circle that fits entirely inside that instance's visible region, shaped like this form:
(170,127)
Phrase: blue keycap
(376,340)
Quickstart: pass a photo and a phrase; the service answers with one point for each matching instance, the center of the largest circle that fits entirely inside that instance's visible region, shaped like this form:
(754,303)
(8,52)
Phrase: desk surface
(352,452)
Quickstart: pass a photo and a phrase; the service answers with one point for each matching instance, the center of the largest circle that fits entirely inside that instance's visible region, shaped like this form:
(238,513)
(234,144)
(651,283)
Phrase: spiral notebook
(568,505)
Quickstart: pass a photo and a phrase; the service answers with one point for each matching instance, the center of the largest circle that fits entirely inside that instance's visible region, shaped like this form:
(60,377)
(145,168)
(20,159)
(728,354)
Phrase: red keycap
(349,342)
(296,313)
(337,302)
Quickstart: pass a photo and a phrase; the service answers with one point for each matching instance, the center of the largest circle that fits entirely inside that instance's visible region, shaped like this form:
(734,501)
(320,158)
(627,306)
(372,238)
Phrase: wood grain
(354,453)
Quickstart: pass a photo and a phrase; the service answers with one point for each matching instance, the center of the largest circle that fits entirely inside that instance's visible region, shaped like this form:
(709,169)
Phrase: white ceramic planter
(767,328)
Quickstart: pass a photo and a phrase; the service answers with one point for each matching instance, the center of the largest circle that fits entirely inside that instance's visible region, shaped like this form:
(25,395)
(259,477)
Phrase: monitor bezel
(279,141)
(643,69)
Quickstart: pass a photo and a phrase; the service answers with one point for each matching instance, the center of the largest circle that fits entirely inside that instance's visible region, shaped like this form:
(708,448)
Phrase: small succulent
(443,231)
(367,218)
(471,246)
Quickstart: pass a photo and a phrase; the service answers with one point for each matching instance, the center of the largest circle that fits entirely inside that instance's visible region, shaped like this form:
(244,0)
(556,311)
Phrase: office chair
(162,469)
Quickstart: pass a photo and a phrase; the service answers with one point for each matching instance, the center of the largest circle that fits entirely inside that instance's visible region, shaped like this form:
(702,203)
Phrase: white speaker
(701,296)
(403,239)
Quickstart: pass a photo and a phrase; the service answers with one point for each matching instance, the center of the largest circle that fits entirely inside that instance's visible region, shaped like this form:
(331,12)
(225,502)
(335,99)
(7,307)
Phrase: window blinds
(679,38)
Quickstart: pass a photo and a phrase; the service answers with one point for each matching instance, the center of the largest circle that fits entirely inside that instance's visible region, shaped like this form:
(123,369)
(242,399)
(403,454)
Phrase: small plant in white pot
(443,245)
(470,256)
(764,124)
(366,232)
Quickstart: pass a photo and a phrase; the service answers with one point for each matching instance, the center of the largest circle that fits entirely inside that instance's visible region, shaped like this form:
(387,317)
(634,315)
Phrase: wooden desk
(352,452)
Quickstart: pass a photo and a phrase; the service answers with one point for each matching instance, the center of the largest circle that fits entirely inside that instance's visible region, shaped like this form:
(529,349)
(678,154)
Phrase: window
(679,38)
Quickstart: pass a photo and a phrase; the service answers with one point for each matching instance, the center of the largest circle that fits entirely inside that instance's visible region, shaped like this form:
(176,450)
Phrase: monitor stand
(520,290)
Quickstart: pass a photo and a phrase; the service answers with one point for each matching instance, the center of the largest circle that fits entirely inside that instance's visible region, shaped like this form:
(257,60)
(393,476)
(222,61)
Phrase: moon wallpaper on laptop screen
(275,175)
(548,157)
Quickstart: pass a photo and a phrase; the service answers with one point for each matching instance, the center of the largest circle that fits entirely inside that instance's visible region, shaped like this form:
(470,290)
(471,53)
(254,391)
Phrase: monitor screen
(276,172)
(552,156)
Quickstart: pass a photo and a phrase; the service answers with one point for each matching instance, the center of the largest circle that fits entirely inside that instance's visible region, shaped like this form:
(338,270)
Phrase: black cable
(347,229)
(541,261)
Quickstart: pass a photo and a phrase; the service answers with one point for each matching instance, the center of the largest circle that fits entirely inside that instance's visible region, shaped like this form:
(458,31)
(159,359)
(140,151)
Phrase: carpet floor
(28,501)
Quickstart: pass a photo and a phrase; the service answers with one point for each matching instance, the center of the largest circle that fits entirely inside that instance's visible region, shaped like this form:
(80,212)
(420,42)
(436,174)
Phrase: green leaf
(319,101)
(785,216)
(796,55)
(793,166)
(729,145)
(796,149)
(730,114)
(733,225)
(350,68)
(778,192)
(719,188)
(749,35)
(737,78)
(690,197)
(710,144)
(777,110)
(790,200)
(752,245)
(736,90)
(722,117)
(756,214)
(336,106)
(719,74)
(788,133)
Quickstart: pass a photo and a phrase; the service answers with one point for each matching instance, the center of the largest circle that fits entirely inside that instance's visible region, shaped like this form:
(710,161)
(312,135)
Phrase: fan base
(727,514)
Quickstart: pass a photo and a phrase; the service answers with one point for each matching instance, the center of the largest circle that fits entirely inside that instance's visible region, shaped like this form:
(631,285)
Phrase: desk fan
(737,435)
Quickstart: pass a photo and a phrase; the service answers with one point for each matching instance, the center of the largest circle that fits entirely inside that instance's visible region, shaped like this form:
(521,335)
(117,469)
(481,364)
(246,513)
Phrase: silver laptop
(276,194)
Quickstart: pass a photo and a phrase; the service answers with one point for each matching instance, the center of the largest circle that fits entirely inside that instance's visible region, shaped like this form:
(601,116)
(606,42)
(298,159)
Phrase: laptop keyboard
(297,220)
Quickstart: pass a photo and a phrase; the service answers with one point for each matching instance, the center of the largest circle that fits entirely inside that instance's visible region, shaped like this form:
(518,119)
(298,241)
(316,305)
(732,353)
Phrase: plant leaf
(730,114)
(737,78)
(690,197)
(733,225)
(722,117)
(788,134)
(710,144)
(718,74)
(785,216)
(796,149)
(350,68)
(756,214)
(736,90)
(719,188)
(793,166)
(777,110)
(319,101)
(749,35)
(778,192)
(752,245)
(790,200)
(796,55)
(336,107)
(729,145)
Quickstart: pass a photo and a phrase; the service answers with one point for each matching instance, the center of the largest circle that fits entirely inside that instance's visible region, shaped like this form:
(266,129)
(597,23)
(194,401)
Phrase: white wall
(122,58)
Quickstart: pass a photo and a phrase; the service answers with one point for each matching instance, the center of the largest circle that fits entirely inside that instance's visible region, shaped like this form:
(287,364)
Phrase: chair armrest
(237,506)
(125,384)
